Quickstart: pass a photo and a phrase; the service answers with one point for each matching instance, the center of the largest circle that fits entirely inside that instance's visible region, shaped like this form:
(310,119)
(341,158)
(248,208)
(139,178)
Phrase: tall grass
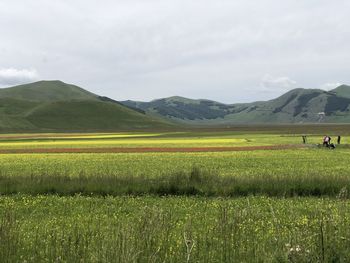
(149,229)
(270,173)
(195,182)
(9,236)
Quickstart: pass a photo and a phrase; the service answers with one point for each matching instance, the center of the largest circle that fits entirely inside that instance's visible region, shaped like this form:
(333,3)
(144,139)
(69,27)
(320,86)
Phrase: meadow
(207,138)
(173,229)
(300,172)
(246,205)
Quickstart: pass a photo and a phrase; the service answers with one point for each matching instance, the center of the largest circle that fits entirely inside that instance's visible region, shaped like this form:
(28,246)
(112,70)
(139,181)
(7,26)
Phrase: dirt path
(152,149)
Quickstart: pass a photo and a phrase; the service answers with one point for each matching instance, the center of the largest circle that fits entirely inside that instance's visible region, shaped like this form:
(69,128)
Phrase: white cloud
(330,86)
(269,83)
(12,76)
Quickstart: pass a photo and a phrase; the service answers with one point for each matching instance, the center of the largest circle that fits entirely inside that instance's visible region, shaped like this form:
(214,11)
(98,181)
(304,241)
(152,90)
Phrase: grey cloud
(140,49)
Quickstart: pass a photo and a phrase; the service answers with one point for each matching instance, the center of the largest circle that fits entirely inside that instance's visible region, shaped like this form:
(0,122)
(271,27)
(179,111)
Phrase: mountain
(295,106)
(57,106)
(47,91)
(180,108)
(342,91)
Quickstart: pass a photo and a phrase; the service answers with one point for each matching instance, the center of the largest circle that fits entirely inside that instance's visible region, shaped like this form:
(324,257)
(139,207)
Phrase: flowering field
(299,172)
(173,229)
(288,205)
(165,139)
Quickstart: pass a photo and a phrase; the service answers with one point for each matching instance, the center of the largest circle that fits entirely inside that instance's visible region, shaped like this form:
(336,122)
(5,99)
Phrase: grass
(152,139)
(149,229)
(249,206)
(304,172)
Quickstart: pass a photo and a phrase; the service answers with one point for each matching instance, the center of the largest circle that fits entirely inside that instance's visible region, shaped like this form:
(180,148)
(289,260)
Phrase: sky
(225,50)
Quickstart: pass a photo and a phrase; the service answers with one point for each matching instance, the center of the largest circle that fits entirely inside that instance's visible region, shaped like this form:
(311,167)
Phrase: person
(304,139)
(338,140)
(326,141)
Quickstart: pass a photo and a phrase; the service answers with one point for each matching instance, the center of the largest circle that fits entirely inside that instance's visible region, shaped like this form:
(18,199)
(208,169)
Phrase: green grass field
(173,229)
(156,139)
(285,205)
(301,172)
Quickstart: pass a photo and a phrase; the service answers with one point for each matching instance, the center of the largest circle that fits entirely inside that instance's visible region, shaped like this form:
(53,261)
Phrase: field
(189,196)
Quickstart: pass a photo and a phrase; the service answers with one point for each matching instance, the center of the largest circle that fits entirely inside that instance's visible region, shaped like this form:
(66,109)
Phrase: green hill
(295,106)
(47,91)
(57,106)
(78,115)
(342,91)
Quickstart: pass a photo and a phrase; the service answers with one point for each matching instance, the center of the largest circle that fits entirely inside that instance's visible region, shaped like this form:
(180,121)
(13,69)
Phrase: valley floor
(274,200)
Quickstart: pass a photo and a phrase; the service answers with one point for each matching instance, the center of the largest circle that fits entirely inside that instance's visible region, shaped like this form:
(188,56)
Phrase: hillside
(342,91)
(46,91)
(295,106)
(55,106)
(186,109)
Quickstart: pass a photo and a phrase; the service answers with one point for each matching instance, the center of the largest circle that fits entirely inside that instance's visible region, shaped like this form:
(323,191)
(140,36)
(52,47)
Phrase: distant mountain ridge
(57,106)
(296,106)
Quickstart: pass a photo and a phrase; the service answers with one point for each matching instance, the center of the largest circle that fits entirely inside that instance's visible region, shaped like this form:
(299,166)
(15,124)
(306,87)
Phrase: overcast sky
(225,50)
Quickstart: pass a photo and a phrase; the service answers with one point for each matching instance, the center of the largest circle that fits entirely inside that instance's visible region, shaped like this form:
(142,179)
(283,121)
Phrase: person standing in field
(338,140)
(304,139)
(326,141)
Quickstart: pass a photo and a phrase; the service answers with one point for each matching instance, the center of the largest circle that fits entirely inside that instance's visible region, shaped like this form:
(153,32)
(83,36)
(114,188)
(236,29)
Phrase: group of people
(327,141)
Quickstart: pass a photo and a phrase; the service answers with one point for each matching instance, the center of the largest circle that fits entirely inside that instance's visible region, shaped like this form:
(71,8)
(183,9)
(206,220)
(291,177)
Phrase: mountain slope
(298,105)
(342,91)
(47,91)
(62,115)
(54,105)
(179,108)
